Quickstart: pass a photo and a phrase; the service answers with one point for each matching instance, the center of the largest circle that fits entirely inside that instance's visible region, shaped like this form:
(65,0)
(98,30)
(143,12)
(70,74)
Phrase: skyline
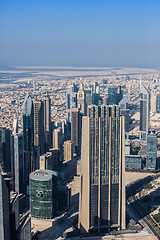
(69,33)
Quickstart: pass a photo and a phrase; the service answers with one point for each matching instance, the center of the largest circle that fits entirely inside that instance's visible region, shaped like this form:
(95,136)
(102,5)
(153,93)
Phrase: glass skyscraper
(43,194)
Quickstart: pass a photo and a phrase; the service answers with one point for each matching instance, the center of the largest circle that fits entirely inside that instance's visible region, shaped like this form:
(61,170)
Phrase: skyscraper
(5,152)
(28,124)
(151,151)
(71,101)
(144,112)
(76,130)
(81,100)
(39,140)
(124,111)
(102,194)
(28,136)
(47,122)
(4,207)
(115,94)
(15,125)
(68,150)
(18,163)
(43,194)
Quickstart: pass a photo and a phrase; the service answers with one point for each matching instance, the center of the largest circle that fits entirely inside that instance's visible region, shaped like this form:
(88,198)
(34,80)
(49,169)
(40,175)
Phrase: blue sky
(80,33)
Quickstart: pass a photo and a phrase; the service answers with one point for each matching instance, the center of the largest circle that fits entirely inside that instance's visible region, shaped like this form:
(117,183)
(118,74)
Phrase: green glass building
(43,194)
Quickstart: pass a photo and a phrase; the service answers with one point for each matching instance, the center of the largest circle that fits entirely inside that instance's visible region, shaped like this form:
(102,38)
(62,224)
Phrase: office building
(47,122)
(81,100)
(58,138)
(133,162)
(68,150)
(71,101)
(151,151)
(76,130)
(95,94)
(153,103)
(158,103)
(50,160)
(15,126)
(28,136)
(39,140)
(144,112)
(4,207)
(89,96)
(115,94)
(43,194)
(124,111)
(18,167)
(102,194)
(5,149)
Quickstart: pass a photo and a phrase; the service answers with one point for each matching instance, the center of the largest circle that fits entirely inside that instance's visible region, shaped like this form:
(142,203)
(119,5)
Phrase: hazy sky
(80,33)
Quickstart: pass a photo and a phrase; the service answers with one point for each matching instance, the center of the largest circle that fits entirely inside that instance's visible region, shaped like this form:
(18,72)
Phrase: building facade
(102,194)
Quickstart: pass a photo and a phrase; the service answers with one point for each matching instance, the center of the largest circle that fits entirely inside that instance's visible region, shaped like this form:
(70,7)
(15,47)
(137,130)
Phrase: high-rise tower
(81,100)
(102,194)
(144,112)
(28,124)
(47,122)
(76,130)
(39,125)
(71,101)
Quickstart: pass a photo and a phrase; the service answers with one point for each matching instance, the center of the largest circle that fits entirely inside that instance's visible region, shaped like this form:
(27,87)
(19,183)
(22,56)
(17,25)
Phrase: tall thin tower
(47,122)
(102,194)
(144,111)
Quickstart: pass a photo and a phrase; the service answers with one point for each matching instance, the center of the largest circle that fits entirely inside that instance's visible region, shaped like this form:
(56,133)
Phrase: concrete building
(15,125)
(68,150)
(102,194)
(58,142)
(76,130)
(153,103)
(144,112)
(151,151)
(4,207)
(43,194)
(81,100)
(133,162)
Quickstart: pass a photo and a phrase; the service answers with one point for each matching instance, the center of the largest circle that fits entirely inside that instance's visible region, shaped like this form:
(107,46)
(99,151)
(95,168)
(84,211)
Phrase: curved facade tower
(28,124)
(28,139)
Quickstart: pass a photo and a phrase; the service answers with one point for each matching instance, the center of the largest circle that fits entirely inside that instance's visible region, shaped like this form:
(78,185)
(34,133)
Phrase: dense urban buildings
(44,131)
(102,194)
